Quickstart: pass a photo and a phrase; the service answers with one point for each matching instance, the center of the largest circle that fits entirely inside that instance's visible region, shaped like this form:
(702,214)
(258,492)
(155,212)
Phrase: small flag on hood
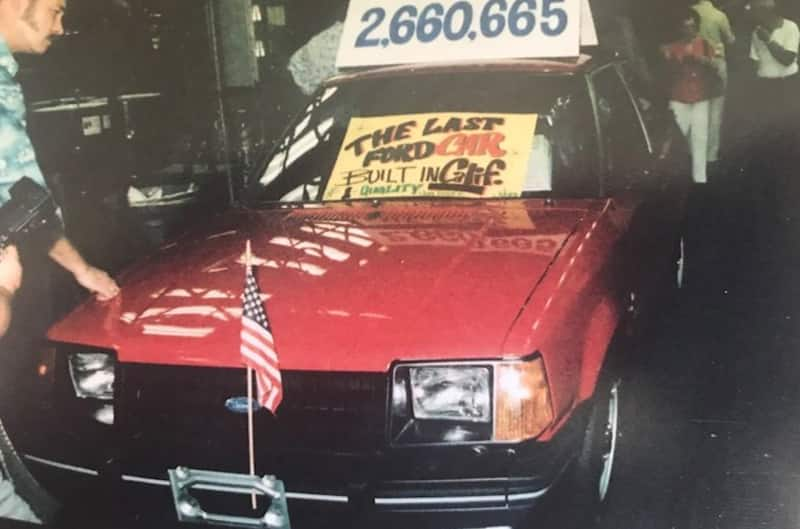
(258,347)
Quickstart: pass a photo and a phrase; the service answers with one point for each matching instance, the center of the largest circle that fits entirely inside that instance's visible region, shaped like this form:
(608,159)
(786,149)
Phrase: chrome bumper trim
(62,466)
(463,500)
(425,500)
(307,496)
(146,481)
(524,496)
(316,497)
(303,496)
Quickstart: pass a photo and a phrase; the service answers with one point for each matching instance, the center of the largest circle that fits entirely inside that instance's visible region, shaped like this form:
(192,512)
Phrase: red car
(453,260)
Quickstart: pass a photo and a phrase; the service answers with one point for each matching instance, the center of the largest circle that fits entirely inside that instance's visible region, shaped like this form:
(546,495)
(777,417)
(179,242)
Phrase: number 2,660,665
(431,22)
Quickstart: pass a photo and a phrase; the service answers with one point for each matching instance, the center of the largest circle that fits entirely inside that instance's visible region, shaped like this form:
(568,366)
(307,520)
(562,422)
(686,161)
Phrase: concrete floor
(713,413)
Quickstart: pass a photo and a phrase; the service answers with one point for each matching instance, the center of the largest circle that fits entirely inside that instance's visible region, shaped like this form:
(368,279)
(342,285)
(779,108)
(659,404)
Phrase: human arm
(93,279)
(10,280)
(784,50)
(705,53)
(725,31)
(703,59)
(19,159)
(700,52)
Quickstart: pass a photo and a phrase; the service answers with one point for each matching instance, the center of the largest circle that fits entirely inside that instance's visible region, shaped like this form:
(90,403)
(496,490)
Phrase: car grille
(170,415)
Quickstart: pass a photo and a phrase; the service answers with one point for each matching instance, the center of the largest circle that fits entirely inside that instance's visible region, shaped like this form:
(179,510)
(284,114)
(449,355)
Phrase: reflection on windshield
(301,146)
(470,135)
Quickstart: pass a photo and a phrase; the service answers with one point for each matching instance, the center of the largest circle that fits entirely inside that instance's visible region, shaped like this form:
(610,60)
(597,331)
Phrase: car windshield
(485,134)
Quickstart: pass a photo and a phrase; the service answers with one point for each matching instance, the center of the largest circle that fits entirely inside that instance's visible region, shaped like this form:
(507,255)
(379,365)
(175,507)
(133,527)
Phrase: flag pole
(250,444)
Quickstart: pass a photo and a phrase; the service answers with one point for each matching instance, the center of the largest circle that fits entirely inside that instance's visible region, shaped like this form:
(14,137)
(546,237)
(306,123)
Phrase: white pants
(715,107)
(692,119)
(715,110)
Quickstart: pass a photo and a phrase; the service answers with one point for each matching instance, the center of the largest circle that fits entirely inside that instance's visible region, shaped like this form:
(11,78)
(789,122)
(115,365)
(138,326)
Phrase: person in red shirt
(692,83)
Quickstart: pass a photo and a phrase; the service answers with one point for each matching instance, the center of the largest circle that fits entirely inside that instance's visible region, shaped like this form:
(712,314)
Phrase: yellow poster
(447,154)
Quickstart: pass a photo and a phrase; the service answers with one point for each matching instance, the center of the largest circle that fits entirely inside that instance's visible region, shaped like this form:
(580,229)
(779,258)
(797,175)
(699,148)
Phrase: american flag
(258,347)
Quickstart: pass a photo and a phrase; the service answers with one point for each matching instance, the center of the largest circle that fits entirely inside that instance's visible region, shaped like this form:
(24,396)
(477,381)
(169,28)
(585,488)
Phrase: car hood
(346,287)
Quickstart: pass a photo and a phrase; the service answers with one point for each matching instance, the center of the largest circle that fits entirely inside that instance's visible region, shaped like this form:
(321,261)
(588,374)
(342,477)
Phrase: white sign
(412,31)
(588,29)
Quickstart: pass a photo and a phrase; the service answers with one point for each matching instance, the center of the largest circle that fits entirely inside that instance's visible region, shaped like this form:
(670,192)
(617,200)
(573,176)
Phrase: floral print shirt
(17,157)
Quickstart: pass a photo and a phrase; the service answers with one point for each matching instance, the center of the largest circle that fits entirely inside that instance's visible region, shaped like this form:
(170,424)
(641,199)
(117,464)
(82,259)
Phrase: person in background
(690,70)
(716,29)
(773,49)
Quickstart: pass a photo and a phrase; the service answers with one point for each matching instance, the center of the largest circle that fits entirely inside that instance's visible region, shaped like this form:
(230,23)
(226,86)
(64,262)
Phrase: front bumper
(100,498)
(119,474)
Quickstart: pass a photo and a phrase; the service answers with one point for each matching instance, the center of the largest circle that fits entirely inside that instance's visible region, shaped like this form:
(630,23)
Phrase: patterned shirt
(17,157)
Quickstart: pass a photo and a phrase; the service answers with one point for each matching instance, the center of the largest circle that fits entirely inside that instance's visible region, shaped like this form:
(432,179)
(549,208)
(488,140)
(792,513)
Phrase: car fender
(574,313)
(602,327)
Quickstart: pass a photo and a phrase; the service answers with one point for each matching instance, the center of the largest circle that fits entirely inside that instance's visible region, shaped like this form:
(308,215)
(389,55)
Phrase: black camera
(31,212)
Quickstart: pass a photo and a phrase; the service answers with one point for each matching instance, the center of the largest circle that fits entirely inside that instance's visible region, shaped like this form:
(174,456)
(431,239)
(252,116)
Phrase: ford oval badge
(240,404)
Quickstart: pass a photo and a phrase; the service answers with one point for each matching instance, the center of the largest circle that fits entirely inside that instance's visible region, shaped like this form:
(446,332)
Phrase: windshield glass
(470,135)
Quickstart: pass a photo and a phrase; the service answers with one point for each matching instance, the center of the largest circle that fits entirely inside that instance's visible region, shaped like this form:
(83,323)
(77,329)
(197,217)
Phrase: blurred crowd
(730,72)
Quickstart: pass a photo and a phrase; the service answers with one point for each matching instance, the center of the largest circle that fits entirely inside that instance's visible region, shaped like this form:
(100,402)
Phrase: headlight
(469,402)
(92,375)
(451,393)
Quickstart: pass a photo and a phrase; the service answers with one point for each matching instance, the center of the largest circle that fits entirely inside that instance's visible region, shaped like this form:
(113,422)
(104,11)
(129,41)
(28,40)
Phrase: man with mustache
(30,26)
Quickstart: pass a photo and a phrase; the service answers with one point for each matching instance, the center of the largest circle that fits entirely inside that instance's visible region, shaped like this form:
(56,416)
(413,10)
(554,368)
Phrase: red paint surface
(357,287)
